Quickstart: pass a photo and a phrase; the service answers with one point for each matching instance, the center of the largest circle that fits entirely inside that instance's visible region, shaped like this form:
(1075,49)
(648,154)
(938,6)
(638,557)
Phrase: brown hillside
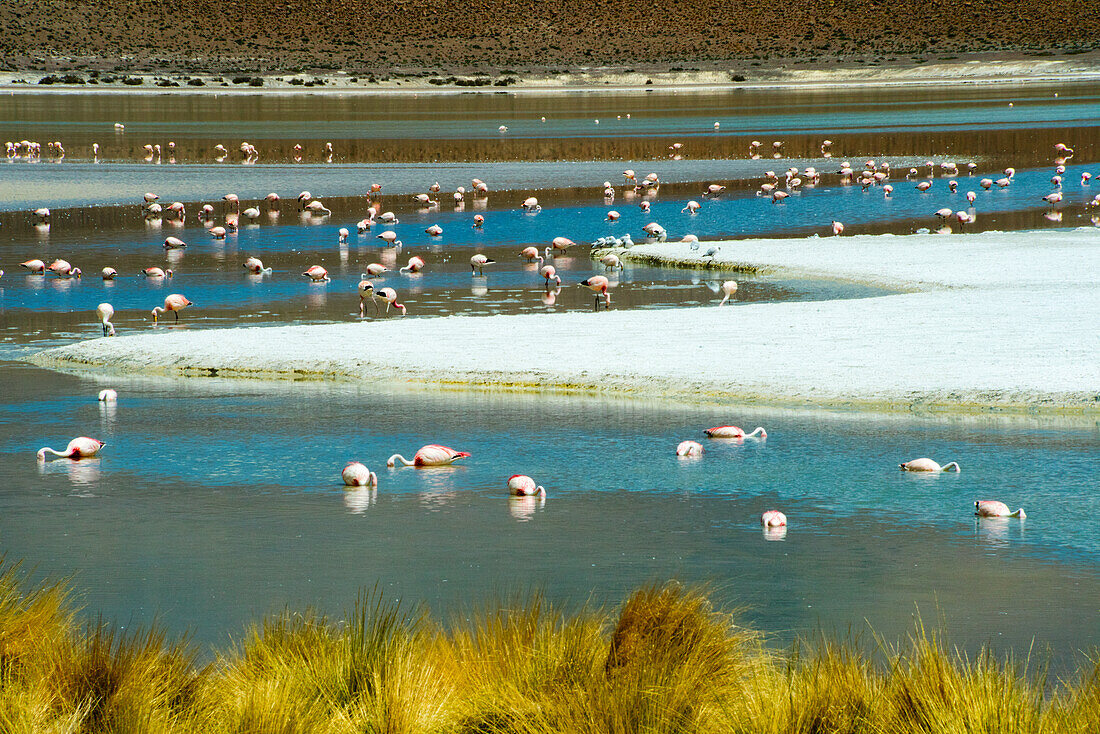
(352,34)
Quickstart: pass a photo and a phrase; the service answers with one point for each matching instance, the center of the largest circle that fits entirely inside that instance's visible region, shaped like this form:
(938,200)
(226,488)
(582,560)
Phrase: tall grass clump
(666,661)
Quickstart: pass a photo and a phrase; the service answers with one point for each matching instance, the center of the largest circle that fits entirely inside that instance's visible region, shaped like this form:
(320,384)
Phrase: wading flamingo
(108,396)
(255,266)
(611,262)
(389,295)
(105,311)
(521,485)
(415,265)
(36,267)
(531,254)
(993,508)
(479,261)
(174,243)
(316,207)
(430,455)
(80,447)
(174,303)
(838,228)
(928,465)
(549,273)
(108,273)
(317,274)
(734,432)
(155,272)
(691,208)
(773,519)
(357,475)
(729,287)
(366,290)
(598,285)
(531,205)
(689,448)
(390,238)
(374,270)
(562,243)
(613,216)
(435,230)
(62,269)
(478,221)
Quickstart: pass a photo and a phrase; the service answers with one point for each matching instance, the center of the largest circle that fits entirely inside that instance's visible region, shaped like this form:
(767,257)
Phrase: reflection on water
(523,509)
(81,473)
(359,499)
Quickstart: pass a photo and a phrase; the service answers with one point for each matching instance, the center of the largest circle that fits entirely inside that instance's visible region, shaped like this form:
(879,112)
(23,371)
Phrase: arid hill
(382,35)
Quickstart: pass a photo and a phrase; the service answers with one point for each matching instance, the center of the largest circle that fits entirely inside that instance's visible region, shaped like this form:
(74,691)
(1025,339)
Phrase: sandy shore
(1001,322)
(981,70)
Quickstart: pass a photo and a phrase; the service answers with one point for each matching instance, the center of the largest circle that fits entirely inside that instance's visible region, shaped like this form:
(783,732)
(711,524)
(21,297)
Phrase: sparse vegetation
(666,661)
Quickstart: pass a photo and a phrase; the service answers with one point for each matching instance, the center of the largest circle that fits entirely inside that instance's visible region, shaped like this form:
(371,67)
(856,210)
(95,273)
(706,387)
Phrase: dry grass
(666,661)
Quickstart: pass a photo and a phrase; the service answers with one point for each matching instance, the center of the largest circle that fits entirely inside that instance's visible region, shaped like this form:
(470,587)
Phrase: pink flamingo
(435,230)
(928,465)
(612,216)
(531,253)
(924,186)
(80,447)
(374,270)
(255,266)
(430,455)
(531,204)
(563,243)
(838,228)
(317,274)
(155,272)
(479,261)
(36,267)
(389,295)
(105,311)
(611,262)
(108,273)
(478,221)
(390,238)
(521,485)
(773,519)
(734,432)
(549,273)
(714,190)
(415,265)
(729,287)
(598,284)
(174,243)
(691,208)
(993,508)
(357,475)
(62,269)
(366,290)
(174,303)
(689,448)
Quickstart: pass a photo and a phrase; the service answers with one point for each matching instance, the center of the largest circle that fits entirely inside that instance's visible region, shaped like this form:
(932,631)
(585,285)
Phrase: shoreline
(974,337)
(985,72)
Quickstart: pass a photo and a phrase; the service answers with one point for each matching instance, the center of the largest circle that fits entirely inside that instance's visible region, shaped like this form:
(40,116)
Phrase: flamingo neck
(46,449)
(392,461)
(759,431)
(951,466)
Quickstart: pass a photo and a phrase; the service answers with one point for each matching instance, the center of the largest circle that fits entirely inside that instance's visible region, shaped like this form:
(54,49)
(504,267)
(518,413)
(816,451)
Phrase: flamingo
(390,238)
(628,175)
(36,267)
(714,190)
(729,287)
(174,243)
(691,208)
(773,519)
(389,295)
(928,465)
(357,475)
(734,432)
(43,214)
(374,270)
(598,284)
(272,199)
(423,199)
(316,207)
(255,266)
(366,290)
(838,228)
(478,221)
(317,274)
(343,234)
(108,273)
(108,395)
(944,213)
(62,269)
(155,272)
(105,311)
(435,230)
(531,205)
(430,455)
(81,447)
(531,253)
(993,508)
(611,262)
(363,225)
(252,213)
(563,243)
(654,230)
(479,261)
(689,448)
(174,303)
(303,199)
(415,265)
(971,196)
(549,273)
(234,200)
(521,485)
(613,216)
(924,186)
(218,233)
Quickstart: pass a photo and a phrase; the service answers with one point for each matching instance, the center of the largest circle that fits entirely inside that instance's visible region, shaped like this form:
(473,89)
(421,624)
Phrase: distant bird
(714,190)
(43,214)
(390,238)
(563,243)
(255,266)
(316,207)
(928,465)
(598,284)
(479,261)
(924,186)
(343,234)
(734,432)
(252,213)
(430,455)
(36,267)
(174,243)
(435,230)
(62,269)
(478,221)
(611,262)
(838,228)
(218,233)
(108,273)
(374,270)
(549,273)
(613,216)
(691,208)
(521,485)
(993,508)
(105,311)
(773,519)
(729,287)
(155,272)
(389,295)
(531,253)
(689,448)
(357,475)
(366,290)
(108,395)
(531,204)
(81,447)
(317,274)
(174,303)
